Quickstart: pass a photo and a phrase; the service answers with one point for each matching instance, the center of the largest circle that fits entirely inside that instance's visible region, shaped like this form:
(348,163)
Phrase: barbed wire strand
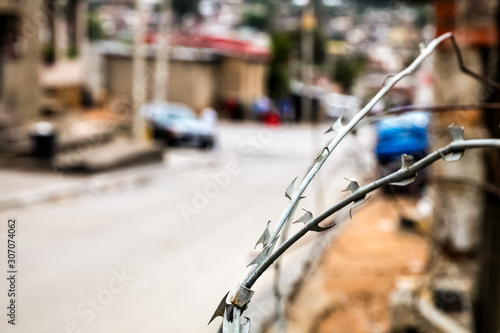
(342,131)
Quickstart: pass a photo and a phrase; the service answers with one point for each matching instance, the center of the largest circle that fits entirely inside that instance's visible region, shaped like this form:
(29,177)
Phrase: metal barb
(245,328)
(406,181)
(265,237)
(353,185)
(227,319)
(321,154)
(405,161)
(317,228)
(221,309)
(263,254)
(405,165)
(235,328)
(234,325)
(289,190)
(457,134)
(308,216)
(337,126)
(357,203)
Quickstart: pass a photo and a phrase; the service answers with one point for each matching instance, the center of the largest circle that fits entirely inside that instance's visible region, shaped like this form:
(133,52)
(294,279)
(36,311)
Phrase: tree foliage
(348,69)
(284,45)
(256,20)
(182,7)
(258,14)
(95,30)
(278,78)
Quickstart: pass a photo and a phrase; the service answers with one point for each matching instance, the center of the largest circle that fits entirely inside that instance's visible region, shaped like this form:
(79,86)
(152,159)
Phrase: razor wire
(238,302)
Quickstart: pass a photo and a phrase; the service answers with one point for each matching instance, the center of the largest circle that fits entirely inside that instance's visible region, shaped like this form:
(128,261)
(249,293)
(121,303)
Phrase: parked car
(177,124)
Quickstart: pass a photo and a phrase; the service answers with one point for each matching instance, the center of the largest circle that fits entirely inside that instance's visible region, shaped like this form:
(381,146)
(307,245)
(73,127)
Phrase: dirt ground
(350,290)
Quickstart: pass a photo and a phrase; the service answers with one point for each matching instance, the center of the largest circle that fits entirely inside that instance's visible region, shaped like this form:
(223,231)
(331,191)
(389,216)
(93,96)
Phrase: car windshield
(174,113)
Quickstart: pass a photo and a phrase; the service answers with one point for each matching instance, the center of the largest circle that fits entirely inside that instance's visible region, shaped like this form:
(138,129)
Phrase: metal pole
(162,56)
(139,88)
(307,47)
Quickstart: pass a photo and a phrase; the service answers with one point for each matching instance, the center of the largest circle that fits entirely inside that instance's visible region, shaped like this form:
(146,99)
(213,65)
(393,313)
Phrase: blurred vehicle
(404,134)
(177,124)
(337,105)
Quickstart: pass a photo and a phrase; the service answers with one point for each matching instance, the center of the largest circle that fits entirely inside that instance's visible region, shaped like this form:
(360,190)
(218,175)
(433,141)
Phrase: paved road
(158,257)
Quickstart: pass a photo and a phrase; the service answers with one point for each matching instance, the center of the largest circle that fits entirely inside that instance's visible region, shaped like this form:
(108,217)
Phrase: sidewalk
(85,142)
(24,188)
(350,290)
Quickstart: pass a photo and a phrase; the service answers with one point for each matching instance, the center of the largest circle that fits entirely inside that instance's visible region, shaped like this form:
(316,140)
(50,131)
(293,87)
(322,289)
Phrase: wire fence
(232,307)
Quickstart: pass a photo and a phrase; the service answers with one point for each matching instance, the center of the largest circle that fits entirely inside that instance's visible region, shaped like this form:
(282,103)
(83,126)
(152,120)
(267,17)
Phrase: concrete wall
(459,227)
(21,91)
(242,78)
(194,84)
(459,208)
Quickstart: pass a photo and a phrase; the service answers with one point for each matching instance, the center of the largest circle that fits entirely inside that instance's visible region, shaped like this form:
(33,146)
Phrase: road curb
(101,184)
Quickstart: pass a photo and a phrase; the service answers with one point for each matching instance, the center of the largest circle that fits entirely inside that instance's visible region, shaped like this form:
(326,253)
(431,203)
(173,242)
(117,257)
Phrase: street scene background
(145,145)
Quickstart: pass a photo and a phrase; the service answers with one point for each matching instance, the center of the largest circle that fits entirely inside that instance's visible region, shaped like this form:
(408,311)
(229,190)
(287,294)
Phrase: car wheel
(170,141)
(207,144)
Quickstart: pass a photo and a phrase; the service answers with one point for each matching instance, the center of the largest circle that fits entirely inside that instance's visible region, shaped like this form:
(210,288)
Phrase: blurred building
(45,46)
(64,44)
(37,37)
(20,57)
(203,71)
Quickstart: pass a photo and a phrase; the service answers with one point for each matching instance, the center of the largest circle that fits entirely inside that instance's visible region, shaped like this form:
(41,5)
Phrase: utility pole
(466,229)
(162,55)
(487,313)
(139,88)
(307,50)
